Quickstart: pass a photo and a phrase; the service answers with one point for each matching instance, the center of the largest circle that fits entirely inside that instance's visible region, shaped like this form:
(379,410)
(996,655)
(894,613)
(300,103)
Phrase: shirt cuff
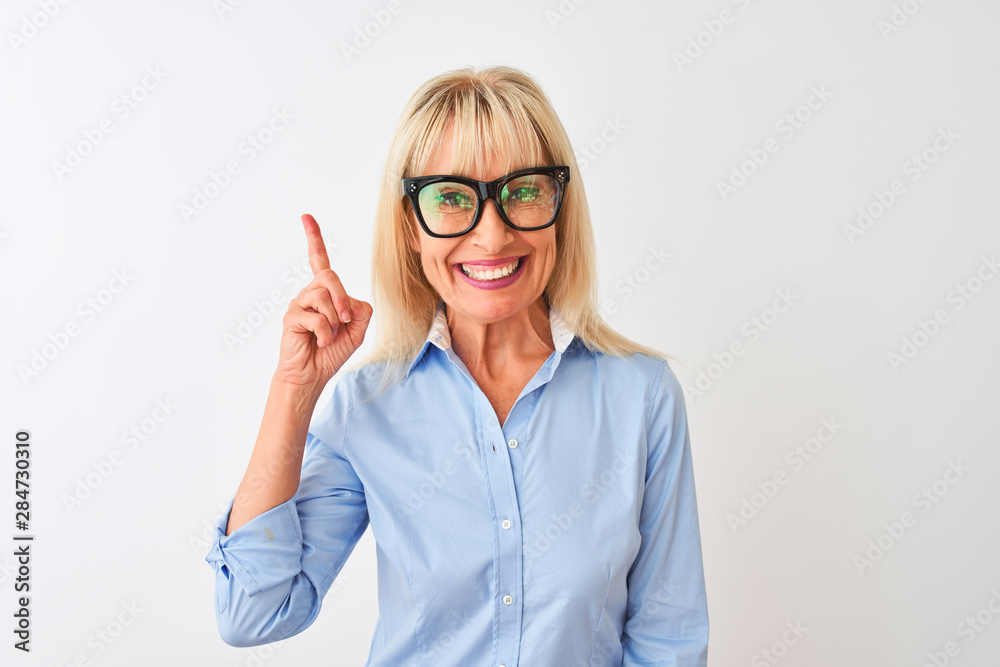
(263,552)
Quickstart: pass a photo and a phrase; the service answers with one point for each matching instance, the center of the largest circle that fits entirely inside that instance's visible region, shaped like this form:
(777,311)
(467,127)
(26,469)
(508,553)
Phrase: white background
(653,183)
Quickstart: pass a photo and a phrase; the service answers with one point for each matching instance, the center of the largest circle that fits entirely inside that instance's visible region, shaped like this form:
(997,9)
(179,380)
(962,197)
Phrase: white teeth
(491,274)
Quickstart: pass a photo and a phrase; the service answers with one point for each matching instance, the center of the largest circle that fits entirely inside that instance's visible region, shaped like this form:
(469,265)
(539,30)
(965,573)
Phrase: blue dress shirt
(568,535)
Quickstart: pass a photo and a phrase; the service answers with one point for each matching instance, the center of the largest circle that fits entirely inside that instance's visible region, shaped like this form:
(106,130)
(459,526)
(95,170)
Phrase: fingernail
(345,315)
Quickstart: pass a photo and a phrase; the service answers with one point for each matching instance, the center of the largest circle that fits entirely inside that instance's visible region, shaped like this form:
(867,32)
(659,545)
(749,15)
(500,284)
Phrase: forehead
(479,149)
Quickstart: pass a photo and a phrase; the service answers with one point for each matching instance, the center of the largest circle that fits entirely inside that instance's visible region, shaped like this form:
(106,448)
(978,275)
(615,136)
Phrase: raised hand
(324,325)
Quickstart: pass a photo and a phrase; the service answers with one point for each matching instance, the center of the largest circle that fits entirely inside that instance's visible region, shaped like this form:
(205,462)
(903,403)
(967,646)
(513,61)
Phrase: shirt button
(507,599)
(506,524)
(512,443)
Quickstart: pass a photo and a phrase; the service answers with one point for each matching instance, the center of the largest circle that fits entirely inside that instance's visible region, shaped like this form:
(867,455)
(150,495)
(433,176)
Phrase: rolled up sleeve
(667,613)
(264,552)
(272,573)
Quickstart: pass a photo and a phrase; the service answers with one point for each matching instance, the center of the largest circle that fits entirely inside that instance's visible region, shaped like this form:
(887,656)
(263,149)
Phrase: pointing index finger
(318,260)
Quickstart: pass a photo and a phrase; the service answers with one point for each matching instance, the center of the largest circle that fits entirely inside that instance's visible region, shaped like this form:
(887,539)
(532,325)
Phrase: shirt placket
(506,527)
(503,465)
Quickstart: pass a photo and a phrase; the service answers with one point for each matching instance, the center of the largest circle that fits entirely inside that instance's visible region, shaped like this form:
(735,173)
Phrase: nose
(491,234)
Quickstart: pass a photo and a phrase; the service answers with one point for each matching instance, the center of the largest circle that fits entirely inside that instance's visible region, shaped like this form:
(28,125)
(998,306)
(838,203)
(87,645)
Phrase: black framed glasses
(448,206)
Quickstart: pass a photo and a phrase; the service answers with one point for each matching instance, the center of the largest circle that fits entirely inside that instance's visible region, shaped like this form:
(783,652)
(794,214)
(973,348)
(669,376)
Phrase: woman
(526,471)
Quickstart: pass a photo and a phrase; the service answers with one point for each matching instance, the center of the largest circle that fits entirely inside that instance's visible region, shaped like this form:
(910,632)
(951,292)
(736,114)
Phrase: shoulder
(344,402)
(342,394)
(638,379)
(639,370)
(371,384)
(359,384)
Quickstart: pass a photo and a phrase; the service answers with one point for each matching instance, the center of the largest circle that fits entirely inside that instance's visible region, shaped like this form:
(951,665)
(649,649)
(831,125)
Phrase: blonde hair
(498,113)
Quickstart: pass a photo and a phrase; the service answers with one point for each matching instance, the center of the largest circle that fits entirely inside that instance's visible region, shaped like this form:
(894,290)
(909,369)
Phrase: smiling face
(493,271)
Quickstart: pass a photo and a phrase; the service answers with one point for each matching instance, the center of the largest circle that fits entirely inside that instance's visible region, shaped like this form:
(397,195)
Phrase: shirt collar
(440,336)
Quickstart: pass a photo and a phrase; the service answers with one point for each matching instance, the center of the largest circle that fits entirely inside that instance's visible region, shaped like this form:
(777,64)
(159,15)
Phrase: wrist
(296,393)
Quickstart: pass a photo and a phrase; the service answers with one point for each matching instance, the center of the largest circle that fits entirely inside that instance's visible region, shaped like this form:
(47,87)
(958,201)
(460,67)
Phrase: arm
(272,572)
(272,475)
(667,613)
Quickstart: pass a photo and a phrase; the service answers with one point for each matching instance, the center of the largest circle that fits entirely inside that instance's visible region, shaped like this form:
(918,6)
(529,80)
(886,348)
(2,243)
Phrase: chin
(492,308)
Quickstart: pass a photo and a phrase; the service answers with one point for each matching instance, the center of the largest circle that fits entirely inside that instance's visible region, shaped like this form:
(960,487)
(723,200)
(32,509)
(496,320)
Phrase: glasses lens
(447,208)
(530,200)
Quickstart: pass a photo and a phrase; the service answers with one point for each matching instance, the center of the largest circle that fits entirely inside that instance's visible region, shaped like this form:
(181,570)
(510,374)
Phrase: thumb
(358,309)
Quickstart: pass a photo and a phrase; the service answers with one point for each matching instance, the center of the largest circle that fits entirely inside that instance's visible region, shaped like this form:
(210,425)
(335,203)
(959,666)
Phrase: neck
(491,348)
